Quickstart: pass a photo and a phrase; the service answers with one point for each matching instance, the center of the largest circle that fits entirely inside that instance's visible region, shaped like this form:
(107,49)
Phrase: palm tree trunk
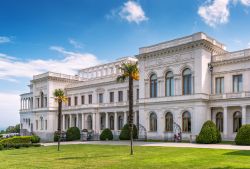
(131,114)
(59,123)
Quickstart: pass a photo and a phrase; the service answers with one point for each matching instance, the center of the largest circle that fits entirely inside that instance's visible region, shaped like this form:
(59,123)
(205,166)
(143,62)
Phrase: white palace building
(183,83)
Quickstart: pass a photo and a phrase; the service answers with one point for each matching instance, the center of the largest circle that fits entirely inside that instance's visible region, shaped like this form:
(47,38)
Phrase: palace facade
(183,83)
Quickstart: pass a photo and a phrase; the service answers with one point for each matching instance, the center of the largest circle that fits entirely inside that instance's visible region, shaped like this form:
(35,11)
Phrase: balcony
(230,95)
(232,55)
(58,75)
(98,105)
(197,96)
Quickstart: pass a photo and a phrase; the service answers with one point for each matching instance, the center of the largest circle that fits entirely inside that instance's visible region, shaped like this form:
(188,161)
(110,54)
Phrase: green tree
(59,98)
(130,71)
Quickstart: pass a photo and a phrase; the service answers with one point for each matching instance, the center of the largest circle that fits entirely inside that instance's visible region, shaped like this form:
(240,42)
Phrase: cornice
(183,48)
(231,61)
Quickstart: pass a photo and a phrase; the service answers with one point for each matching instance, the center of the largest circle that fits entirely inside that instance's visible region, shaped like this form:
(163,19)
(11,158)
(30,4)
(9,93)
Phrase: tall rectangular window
(100,97)
(38,102)
(120,96)
(45,101)
(83,99)
(36,124)
(137,94)
(46,124)
(76,100)
(69,101)
(237,83)
(111,97)
(219,85)
(90,99)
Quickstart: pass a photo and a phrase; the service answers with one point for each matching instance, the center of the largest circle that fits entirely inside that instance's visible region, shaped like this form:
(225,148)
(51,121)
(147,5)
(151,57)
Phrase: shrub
(243,135)
(1,147)
(35,139)
(1,136)
(106,135)
(125,133)
(17,140)
(209,134)
(56,137)
(73,133)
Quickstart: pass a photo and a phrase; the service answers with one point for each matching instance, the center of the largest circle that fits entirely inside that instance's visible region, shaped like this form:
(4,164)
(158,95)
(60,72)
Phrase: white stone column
(160,124)
(135,118)
(63,117)
(21,104)
(77,120)
(225,121)
(244,115)
(115,122)
(125,118)
(106,120)
(98,122)
(209,113)
(83,121)
(94,122)
(70,120)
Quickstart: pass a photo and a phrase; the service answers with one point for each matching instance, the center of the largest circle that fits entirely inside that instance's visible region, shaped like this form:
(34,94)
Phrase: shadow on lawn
(85,157)
(239,153)
(225,168)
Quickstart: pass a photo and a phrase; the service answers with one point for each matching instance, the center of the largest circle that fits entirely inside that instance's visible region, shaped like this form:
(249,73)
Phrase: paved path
(160,144)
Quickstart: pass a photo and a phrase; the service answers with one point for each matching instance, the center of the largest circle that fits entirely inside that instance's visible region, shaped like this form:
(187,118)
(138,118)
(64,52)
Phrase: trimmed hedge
(35,139)
(209,134)
(106,135)
(243,135)
(125,133)
(72,134)
(17,140)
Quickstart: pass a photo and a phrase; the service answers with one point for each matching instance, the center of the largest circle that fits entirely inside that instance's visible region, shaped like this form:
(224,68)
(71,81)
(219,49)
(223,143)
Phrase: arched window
(153,122)
(237,121)
(120,122)
(153,85)
(42,97)
(169,84)
(219,121)
(111,122)
(187,82)
(89,120)
(169,122)
(186,122)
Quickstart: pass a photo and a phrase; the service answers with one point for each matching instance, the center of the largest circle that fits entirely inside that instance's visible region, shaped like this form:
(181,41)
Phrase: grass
(106,156)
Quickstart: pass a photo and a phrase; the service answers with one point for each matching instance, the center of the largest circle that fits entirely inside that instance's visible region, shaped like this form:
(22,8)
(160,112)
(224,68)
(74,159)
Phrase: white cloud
(4,39)
(215,12)
(248,45)
(11,68)
(75,43)
(130,11)
(10,104)
(245,2)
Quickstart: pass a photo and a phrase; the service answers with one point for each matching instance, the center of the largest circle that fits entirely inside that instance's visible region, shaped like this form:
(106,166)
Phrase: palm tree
(59,98)
(130,71)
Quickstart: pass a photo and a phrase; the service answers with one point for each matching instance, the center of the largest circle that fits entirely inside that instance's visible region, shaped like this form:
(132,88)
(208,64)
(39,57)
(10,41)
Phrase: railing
(180,41)
(232,55)
(229,95)
(59,75)
(114,104)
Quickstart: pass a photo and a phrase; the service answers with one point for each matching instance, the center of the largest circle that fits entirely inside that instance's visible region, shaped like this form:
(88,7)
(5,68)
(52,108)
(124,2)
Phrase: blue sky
(66,35)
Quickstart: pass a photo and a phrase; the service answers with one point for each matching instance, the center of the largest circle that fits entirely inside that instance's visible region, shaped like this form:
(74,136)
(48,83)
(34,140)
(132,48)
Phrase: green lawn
(100,156)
